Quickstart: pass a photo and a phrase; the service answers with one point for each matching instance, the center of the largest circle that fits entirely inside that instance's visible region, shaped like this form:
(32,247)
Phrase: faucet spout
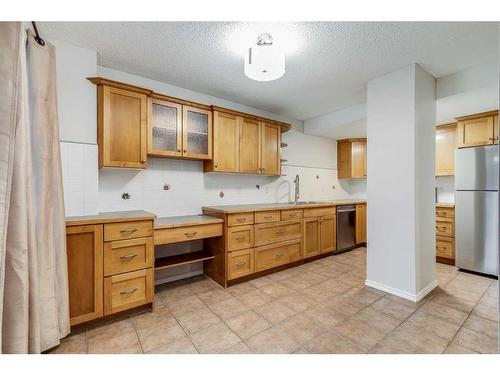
(297,188)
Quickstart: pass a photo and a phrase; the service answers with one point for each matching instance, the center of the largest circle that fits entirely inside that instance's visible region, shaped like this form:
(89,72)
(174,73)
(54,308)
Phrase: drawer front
(244,218)
(124,231)
(291,214)
(267,216)
(445,228)
(445,247)
(240,237)
(127,255)
(240,263)
(270,233)
(128,290)
(444,212)
(194,232)
(320,211)
(271,256)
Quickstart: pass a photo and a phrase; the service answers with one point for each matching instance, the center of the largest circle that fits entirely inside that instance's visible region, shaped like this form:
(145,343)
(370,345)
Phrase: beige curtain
(34,309)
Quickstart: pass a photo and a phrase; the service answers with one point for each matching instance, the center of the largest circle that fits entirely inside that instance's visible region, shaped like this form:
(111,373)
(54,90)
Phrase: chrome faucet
(297,187)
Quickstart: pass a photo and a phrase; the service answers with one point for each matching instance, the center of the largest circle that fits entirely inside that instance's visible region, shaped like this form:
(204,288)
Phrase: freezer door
(476,168)
(476,234)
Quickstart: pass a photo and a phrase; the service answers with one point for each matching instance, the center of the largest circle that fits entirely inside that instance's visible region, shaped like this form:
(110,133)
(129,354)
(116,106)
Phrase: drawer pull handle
(441,247)
(128,291)
(279,255)
(281,231)
(268,217)
(292,215)
(128,256)
(241,264)
(240,238)
(441,229)
(190,234)
(241,219)
(129,230)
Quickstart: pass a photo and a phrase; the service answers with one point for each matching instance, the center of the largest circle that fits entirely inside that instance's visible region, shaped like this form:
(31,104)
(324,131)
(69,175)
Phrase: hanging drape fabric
(34,312)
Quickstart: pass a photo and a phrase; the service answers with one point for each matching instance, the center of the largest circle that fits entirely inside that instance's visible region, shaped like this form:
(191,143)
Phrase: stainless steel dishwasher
(346,227)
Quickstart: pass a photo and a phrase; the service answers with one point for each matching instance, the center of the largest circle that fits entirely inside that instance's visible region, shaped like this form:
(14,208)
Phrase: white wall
(400,125)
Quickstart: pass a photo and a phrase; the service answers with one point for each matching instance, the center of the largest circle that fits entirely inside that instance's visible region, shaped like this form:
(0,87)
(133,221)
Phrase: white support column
(401,112)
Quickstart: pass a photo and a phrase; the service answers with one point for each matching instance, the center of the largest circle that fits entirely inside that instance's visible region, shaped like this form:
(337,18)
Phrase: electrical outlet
(166,187)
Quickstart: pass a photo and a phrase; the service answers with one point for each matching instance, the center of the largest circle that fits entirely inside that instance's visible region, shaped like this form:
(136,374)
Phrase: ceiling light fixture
(264,61)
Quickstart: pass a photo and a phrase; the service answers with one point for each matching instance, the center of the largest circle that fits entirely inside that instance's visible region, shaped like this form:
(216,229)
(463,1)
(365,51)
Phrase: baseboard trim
(400,293)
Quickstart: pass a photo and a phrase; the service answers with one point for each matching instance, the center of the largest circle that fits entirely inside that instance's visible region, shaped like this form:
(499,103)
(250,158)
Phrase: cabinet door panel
(446,144)
(197,133)
(226,143)
(476,132)
(358,159)
(124,142)
(249,146)
(271,151)
(360,223)
(164,128)
(311,237)
(495,129)
(344,159)
(85,272)
(327,234)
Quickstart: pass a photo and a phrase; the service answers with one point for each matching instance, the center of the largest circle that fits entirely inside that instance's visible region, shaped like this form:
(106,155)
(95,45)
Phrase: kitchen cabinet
(311,237)
(121,124)
(327,238)
(360,223)
(480,129)
(84,248)
(446,145)
(351,158)
(319,233)
(244,143)
(445,233)
(177,130)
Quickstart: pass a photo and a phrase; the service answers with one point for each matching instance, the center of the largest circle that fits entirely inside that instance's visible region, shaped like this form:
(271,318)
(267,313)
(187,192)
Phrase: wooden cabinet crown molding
(284,126)
(119,85)
(477,115)
(175,100)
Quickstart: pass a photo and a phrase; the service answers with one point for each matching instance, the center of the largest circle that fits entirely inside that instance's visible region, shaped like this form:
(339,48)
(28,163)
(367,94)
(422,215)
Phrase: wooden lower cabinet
(240,263)
(128,290)
(240,237)
(445,247)
(360,223)
(277,232)
(275,255)
(127,255)
(327,238)
(311,237)
(84,245)
(445,234)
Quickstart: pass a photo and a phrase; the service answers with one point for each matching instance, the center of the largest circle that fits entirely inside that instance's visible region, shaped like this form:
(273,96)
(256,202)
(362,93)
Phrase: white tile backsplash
(80,178)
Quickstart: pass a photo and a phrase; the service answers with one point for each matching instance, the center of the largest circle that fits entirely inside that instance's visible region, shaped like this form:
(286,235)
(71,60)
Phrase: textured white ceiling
(328,63)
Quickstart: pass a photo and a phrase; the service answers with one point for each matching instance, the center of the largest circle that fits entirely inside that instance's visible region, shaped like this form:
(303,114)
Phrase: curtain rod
(39,40)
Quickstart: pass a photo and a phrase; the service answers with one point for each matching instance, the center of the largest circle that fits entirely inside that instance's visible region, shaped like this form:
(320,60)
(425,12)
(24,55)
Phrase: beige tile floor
(319,307)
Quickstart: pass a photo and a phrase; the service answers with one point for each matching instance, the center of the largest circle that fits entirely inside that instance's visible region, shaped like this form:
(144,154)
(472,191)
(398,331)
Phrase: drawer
(244,218)
(291,214)
(127,255)
(445,247)
(240,263)
(193,232)
(267,216)
(128,290)
(320,211)
(131,229)
(271,256)
(444,212)
(445,228)
(276,232)
(240,237)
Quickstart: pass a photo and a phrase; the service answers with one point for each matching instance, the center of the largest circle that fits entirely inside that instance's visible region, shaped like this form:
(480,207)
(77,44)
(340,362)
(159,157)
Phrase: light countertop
(278,206)
(185,221)
(449,205)
(110,217)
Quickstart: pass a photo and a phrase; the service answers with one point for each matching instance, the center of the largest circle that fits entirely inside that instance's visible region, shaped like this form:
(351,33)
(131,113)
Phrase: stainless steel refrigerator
(476,209)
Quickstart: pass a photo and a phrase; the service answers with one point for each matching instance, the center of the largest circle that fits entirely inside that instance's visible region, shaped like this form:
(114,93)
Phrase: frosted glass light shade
(264,63)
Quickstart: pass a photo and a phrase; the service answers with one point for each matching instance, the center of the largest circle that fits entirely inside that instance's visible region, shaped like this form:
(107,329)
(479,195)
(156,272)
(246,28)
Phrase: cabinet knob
(185,150)
(143,161)
(490,138)
(178,150)
(216,166)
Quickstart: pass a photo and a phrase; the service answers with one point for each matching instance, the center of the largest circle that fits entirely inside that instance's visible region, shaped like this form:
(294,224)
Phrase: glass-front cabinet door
(164,128)
(196,133)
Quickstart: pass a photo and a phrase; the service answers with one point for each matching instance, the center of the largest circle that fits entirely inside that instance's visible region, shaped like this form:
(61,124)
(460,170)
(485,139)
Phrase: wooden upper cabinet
(164,128)
(249,141)
(351,158)
(196,133)
(270,149)
(121,124)
(226,143)
(478,129)
(446,145)
(360,223)
(85,272)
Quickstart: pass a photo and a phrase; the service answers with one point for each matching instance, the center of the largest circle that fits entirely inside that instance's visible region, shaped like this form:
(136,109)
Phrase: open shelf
(177,260)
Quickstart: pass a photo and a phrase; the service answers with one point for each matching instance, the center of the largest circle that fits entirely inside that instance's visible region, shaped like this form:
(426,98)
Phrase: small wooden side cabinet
(480,129)
(445,233)
(351,158)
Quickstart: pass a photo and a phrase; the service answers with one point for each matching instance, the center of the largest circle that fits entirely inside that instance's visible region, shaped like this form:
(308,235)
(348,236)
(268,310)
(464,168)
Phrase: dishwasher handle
(347,210)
